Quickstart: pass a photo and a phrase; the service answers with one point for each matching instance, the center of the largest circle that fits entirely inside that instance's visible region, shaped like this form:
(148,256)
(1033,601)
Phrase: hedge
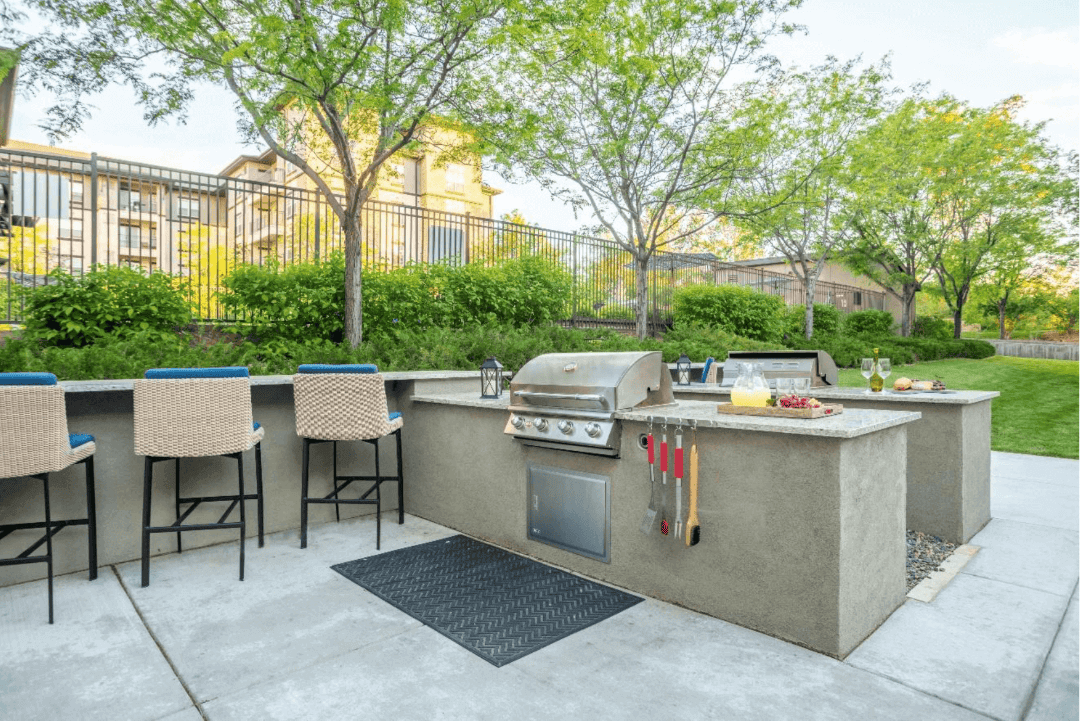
(734,309)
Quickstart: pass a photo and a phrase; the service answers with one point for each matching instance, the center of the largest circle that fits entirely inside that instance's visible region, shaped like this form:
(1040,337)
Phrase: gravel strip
(924,555)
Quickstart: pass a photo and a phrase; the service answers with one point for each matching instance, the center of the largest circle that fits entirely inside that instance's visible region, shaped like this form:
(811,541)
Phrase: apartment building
(287,222)
(141,216)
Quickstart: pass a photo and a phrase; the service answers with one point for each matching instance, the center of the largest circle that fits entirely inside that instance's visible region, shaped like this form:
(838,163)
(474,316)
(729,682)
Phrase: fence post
(93,209)
(318,214)
(574,275)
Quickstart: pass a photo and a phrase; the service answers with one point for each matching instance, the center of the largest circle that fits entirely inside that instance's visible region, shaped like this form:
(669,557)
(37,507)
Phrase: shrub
(305,301)
(826,319)
(869,322)
(700,342)
(930,327)
(107,301)
(737,310)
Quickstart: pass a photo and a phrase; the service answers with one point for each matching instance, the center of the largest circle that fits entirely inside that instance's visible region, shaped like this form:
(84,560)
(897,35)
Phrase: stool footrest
(331,499)
(9,527)
(23,559)
(192,527)
(212,499)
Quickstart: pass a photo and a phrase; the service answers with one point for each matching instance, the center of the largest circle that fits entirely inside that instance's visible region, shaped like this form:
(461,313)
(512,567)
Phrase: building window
(455,179)
(857,297)
(130,200)
(189,208)
(75,265)
(290,207)
(130,236)
(239,225)
(76,192)
(76,228)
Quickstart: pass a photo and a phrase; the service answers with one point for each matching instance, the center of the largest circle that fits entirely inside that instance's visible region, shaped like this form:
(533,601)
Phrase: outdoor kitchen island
(802,521)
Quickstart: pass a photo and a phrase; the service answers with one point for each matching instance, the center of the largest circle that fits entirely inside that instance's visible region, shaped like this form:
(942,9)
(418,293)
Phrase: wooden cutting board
(777,412)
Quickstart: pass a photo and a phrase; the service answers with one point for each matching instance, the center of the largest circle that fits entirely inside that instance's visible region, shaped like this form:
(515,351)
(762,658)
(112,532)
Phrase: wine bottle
(876,381)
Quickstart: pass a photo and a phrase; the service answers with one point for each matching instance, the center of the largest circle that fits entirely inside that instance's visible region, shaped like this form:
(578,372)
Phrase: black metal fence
(74,212)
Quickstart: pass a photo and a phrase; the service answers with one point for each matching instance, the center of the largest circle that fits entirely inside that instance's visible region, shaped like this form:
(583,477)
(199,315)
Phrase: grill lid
(601,382)
(815,364)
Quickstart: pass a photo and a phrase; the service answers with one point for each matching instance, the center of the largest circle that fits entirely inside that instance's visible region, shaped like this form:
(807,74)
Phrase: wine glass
(884,369)
(784,387)
(867,371)
(802,386)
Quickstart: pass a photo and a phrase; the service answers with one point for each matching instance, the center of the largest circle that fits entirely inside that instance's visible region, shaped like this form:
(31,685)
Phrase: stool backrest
(184,417)
(340,406)
(33,425)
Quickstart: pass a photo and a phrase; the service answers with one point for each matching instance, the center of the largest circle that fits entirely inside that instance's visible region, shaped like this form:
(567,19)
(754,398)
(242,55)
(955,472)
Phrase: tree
(632,103)
(1018,262)
(900,219)
(806,196)
(326,84)
(1009,185)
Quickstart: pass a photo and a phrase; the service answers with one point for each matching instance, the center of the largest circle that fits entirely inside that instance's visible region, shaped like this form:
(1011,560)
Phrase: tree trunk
(958,321)
(354,314)
(641,296)
(1001,319)
(907,314)
(809,285)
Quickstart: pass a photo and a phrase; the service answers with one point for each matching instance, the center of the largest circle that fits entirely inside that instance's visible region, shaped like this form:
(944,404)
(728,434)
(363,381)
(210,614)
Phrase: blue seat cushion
(77,439)
(176,373)
(394,416)
(27,379)
(705,371)
(346,368)
(255,426)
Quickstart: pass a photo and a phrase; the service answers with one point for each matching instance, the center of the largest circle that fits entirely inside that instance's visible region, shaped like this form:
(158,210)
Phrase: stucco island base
(802,536)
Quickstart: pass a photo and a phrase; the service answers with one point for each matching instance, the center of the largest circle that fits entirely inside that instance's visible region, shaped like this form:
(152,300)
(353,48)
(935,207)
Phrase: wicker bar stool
(196,413)
(345,403)
(33,424)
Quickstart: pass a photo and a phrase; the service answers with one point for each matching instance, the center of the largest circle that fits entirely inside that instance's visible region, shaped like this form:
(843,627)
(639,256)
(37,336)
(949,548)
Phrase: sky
(979,51)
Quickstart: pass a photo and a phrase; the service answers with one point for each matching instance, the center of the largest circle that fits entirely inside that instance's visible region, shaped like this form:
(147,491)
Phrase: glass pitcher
(759,387)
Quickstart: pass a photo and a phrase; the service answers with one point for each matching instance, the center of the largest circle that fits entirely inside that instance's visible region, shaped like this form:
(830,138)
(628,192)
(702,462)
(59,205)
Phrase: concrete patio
(298,641)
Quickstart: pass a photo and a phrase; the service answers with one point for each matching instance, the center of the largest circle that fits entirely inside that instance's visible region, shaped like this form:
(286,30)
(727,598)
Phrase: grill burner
(815,364)
(568,400)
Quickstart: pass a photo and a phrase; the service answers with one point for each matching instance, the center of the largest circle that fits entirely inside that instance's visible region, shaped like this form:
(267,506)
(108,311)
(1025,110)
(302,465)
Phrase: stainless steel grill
(568,400)
(816,364)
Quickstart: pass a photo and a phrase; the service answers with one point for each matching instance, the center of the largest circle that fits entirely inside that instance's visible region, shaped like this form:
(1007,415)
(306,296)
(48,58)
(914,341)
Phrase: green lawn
(1037,411)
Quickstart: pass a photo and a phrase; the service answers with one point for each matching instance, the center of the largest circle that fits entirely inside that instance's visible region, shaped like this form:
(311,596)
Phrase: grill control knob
(566,427)
(592,429)
(540,424)
(517,422)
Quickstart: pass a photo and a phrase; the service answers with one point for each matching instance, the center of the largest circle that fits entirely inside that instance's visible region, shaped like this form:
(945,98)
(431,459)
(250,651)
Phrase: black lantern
(682,370)
(491,378)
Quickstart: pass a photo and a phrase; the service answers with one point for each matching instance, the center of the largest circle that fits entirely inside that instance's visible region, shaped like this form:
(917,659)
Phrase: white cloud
(1039,46)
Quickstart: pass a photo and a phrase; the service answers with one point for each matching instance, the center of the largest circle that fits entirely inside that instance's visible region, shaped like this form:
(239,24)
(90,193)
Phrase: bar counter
(948,459)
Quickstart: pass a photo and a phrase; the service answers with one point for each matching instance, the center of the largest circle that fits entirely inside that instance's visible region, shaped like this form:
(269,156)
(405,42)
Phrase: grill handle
(592,398)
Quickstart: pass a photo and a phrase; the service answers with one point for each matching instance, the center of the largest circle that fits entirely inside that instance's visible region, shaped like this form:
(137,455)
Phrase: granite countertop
(471,399)
(840,393)
(127,384)
(851,423)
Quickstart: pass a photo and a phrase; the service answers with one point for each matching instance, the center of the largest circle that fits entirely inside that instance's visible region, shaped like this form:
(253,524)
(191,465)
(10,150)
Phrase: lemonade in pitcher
(750,388)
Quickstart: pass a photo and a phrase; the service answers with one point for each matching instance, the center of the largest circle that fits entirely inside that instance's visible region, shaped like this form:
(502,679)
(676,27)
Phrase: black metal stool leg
(148,472)
(179,545)
(48,542)
(400,481)
(378,497)
(337,507)
(304,494)
(259,488)
(91,517)
(243,524)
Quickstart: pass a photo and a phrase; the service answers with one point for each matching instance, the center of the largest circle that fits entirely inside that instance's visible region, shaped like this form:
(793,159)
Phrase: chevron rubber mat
(498,605)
